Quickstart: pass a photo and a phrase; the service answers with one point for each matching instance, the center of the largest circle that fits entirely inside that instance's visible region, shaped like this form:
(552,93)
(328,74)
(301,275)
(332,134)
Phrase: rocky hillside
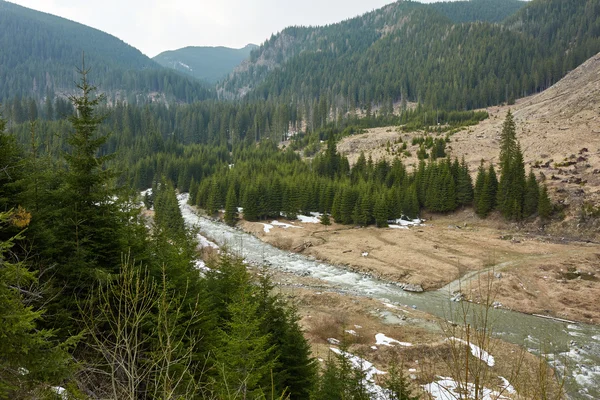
(559,131)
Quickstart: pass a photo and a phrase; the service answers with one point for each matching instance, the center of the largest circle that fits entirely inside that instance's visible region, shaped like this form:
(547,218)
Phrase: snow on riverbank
(388,341)
(448,389)
(478,352)
(267,228)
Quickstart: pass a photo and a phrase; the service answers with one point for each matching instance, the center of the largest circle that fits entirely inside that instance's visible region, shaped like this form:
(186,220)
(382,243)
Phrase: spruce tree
(251,203)
(231,213)
(511,188)
(243,356)
(336,210)
(396,383)
(544,204)
(325,220)
(532,196)
(24,345)
(493,186)
(479,182)
(380,212)
(464,185)
(485,200)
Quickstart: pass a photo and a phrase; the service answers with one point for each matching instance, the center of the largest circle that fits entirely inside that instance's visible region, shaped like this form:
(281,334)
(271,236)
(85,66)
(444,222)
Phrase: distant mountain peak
(206,63)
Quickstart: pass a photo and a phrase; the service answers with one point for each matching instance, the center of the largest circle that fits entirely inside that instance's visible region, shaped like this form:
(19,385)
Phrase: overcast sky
(154,26)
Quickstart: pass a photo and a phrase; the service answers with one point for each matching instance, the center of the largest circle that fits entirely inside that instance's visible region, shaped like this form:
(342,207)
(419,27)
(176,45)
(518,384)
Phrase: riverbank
(565,344)
(531,273)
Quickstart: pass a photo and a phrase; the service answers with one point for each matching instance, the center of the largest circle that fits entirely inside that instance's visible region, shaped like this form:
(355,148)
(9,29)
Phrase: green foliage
(478,10)
(545,208)
(379,56)
(31,357)
(231,212)
(512,184)
(532,195)
(260,347)
(340,379)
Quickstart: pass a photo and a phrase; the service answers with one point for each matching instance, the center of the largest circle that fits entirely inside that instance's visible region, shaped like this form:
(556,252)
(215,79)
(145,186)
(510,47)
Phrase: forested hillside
(478,10)
(40,53)
(412,51)
(208,64)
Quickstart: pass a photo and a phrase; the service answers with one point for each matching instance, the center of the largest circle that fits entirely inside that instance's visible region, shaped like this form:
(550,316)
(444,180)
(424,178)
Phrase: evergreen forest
(103,293)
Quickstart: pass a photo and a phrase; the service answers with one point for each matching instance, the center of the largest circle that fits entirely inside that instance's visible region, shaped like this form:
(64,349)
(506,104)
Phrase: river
(576,344)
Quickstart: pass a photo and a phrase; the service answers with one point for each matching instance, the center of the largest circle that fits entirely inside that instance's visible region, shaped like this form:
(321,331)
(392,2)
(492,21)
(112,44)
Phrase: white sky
(154,26)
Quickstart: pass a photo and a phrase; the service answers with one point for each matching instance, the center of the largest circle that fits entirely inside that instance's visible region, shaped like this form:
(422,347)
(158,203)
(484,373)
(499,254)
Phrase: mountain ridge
(41,51)
(206,63)
(396,51)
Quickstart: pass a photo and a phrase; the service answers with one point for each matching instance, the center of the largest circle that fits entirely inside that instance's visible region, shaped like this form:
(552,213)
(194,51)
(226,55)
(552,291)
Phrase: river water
(577,345)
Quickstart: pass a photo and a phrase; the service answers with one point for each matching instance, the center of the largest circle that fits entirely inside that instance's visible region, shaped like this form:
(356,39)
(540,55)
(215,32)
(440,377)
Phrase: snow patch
(284,225)
(406,222)
(376,391)
(352,332)
(507,386)
(204,242)
(201,266)
(448,389)
(333,341)
(397,227)
(185,66)
(478,352)
(365,254)
(388,341)
(61,391)
(309,220)
(267,228)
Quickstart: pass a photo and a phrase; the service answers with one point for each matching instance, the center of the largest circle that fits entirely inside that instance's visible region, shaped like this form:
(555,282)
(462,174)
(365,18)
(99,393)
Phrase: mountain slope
(478,10)
(413,51)
(204,63)
(40,53)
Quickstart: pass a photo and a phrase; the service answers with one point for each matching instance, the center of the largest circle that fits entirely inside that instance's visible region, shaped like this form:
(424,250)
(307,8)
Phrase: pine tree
(544,204)
(464,185)
(396,383)
(336,210)
(243,357)
(380,212)
(24,345)
(347,205)
(231,213)
(479,182)
(493,186)
(293,367)
(511,188)
(325,220)
(251,203)
(485,200)
(213,204)
(532,196)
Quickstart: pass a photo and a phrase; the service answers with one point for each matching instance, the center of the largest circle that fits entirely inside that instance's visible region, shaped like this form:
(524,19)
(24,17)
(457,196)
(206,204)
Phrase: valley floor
(531,273)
